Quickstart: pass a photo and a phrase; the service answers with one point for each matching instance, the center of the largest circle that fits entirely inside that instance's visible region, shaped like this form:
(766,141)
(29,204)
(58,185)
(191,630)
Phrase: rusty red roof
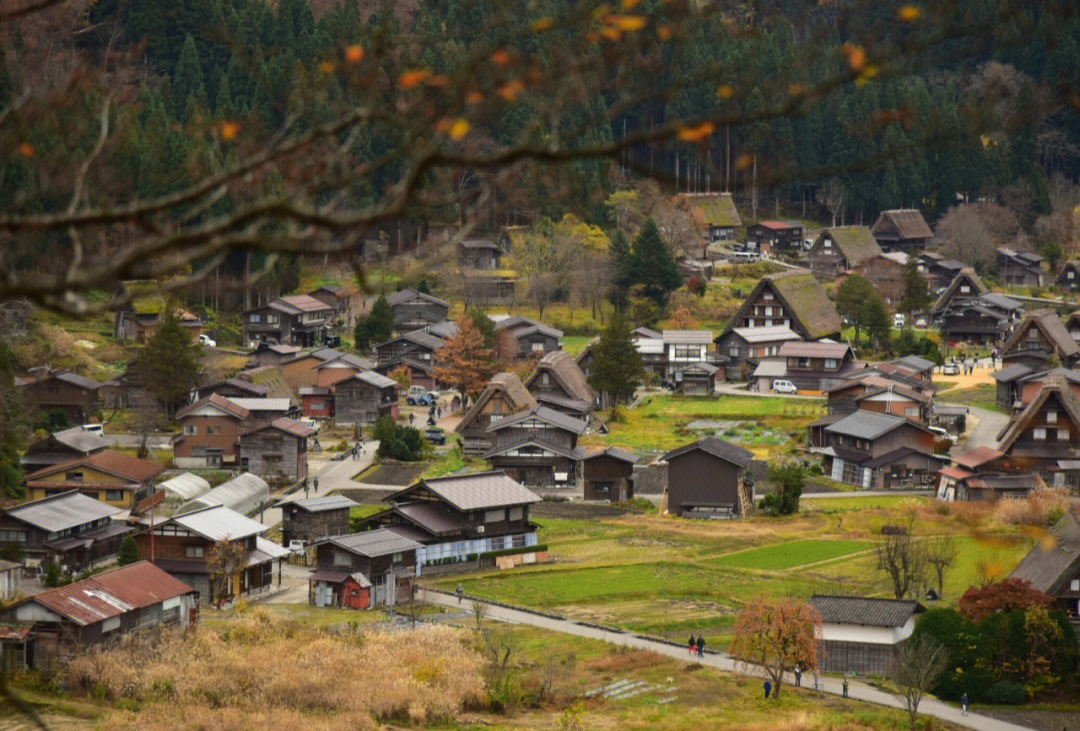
(229,407)
(111,593)
(294,428)
(778,225)
(118,464)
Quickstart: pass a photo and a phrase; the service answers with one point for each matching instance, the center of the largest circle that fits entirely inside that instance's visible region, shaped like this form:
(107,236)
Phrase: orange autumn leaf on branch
(628,23)
(411,78)
(354,54)
(697,133)
(856,56)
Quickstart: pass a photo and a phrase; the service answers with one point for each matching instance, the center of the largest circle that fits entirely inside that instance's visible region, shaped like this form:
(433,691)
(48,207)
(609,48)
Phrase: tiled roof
(543,413)
(263,404)
(976,457)
(377,380)
(229,406)
(304,303)
(716,447)
(687,337)
(615,453)
(869,424)
(218,523)
(435,518)
(378,542)
(293,428)
(322,503)
(80,439)
(778,225)
(865,611)
(769,334)
(76,380)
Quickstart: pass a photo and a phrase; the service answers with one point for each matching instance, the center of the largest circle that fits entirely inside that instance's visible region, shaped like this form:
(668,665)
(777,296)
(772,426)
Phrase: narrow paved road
(984,434)
(857,689)
(332,477)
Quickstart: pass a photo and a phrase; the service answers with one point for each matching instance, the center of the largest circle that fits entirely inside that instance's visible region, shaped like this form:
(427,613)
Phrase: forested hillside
(835,110)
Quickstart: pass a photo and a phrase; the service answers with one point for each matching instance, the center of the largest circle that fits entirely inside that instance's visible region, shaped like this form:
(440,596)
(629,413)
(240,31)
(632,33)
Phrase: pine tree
(11,426)
(616,370)
(377,327)
(223,104)
(651,265)
(187,82)
(851,297)
(876,316)
(129,552)
(464,362)
(171,362)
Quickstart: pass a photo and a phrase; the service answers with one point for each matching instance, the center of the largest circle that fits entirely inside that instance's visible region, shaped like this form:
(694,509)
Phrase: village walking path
(333,476)
(988,424)
(857,689)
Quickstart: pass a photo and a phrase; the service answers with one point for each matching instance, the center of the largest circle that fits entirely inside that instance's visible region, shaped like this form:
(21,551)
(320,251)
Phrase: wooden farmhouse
(745,347)
(560,384)
(479,254)
(113,477)
(964,285)
(1046,430)
(775,236)
(1019,268)
(77,396)
(882,395)
(708,479)
(792,298)
(297,320)
(879,451)
(504,396)
(72,530)
(809,366)
(902,230)
(1054,567)
(714,214)
(362,570)
(1038,341)
(62,446)
(608,475)
(415,310)
(529,337)
(209,433)
(321,367)
(985,319)
(537,447)
(886,273)
(312,519)
(48,629)
(364,398)
(1069,276)
(276,451)
(840,249)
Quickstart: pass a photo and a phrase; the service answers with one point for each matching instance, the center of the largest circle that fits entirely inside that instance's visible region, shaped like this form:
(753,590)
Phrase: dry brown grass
(298,676)
(1040,508)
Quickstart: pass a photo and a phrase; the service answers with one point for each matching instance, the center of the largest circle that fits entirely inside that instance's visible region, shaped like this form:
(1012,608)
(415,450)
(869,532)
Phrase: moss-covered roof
(712,209)
(856,243)
(806,301)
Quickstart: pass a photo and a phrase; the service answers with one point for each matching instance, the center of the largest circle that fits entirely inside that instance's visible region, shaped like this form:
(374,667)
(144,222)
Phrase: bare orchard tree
(916,668)
(940,553)
(973,231)
(834,196)
(226,562)
(902,558)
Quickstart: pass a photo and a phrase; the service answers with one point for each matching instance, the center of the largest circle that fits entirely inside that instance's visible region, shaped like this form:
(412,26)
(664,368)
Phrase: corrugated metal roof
(976,457)
(379,542)
(219,522)
(319,504)
(186,486)
(766,334)
(771,369)
(80,439)
(545,414)
(76,380)
(111,593)
(479,490)
(229,406)
(303,302)
(60,512)
(263,404)
(864,611)
(284,424)
(800,349)
(243,494)
(867,424)
(615,453)
(688,337)
(435,518)
(377,380)
(271,549)
(407,294)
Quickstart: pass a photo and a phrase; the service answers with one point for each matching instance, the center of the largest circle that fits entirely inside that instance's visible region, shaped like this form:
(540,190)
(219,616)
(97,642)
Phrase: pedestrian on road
(316,484)
(798,676)
(963,704)
(701,646)
(439,412)
(692,645)
(411,417)
(845,688)
(768,688)
(460,591)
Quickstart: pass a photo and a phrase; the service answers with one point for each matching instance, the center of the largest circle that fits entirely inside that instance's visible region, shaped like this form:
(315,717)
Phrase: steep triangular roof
(1055,385)
(711,209)
(968,275)
(508,384)
(811,310)
(564,369)
(1052,328)
(907,223)
(404,295)
(716,447)
(1070,266)
(1054,561)
(855,243)
(217,401)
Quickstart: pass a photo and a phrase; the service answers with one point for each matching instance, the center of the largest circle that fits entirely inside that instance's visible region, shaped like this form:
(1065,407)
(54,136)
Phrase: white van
(784,387)
(94,428)
(743,257)
(898,320)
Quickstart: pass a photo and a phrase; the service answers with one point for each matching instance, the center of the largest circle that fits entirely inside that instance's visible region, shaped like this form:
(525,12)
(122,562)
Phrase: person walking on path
(845,688)
(316,484)
(963,704)
(692,645)
(460,591)
(768,688)
(701,646)
(798,676)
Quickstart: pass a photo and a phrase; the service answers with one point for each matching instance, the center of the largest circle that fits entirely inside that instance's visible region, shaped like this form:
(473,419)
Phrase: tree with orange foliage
(402,375)
(464,362)
(979,602)
(777,635)
(683,319)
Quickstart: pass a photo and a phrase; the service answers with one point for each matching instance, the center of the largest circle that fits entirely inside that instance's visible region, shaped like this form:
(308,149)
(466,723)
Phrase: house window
(1074,585)
(115,496)
(190,430)
(213,430)
(840,440)
(1051,417)
(545,378)
(768,312)
(516,514)
(496,417)
(964,289)
(537,346)
(802,362)
(1039,434)
(73,476)
(1063,435)
(397,557)
(12,536)
(911,411)
(193,551)
(272,319)
(494,516)
(832,363)
(733,351)
(255,317)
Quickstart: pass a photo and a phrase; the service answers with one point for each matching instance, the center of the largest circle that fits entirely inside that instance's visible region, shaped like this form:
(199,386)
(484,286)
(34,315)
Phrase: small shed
(310,519)
(608,475)
(339,589)
(9,579)
(243,493)
(862,635)
(185,486)
(699,379)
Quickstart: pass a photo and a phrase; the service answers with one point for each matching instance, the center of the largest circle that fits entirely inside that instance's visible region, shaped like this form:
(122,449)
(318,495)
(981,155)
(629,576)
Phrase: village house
(938,270)
(650,347)
(809,366)
(984,319)
(714,214)
(1053,567)
(684,348)
(1019,268)
(989,486)
(504,396)
(312,519)
(273,354)
(792,298)
(1038,341)
(530,338)
(840,249)
(1046,430)
(265,410)
(69,529)
(298,320)
(48,629)
(879,451)
(460,516)
(77,396)
(62,446)
(364,398)
(1017,384)
(335,297)
(421,373)
(304,369)
(746,347)
(362,570)
(980,460)
(708,479)
(338,367)
(415,310)
(699,379)
(113,477)
(882,395)
(966,284)
(479,254)
(537,447)
(276,451)
(775,237)
(902,230)
(418,344)
(1069,276)
(1072,324)
(209,433)
(184,546)
(558,383)
(138,319)
(861,635)
(608,475)
(886,273)
(230,388)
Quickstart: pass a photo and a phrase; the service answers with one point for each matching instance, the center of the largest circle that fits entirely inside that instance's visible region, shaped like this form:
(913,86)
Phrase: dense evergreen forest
(983,103)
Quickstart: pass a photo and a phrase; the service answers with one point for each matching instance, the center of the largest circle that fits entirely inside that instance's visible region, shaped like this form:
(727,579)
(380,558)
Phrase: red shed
(339,589)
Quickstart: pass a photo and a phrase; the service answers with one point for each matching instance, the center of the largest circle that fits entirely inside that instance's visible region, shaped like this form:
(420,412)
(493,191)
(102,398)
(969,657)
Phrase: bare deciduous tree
(940,552)
(834,196)
(916,668)
(226,562)
(903,560)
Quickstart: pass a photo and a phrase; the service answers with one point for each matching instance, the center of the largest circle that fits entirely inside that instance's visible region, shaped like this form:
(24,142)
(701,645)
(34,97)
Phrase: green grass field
(791,554)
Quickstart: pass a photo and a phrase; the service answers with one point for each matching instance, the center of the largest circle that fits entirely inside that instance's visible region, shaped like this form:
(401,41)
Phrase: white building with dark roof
(862,635)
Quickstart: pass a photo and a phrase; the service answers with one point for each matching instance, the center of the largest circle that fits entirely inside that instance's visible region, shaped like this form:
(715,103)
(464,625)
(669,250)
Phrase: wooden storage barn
(708,479)
(862,635)
(902,230)
(373,568)
(608,475)
(310,519)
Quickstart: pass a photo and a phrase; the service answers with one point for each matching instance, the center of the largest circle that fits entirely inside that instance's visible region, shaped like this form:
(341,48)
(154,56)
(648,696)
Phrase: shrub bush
(1006,693)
